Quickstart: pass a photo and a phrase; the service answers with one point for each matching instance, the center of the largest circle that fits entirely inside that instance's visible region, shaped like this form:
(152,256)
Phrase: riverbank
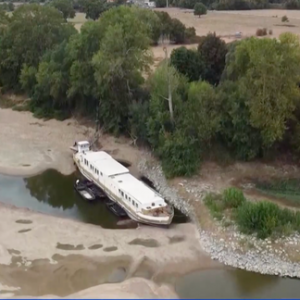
(224,243)
(31,146)
(45,144)
(62,256)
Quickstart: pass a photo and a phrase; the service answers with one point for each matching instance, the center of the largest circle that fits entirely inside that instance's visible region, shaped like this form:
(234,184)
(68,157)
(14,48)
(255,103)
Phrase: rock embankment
(264,257)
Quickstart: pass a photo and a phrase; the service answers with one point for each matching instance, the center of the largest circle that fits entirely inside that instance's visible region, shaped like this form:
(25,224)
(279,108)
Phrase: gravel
(261,258)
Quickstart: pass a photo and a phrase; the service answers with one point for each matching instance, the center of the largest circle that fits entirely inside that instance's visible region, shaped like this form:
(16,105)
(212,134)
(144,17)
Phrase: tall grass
(288,189)
(261,218)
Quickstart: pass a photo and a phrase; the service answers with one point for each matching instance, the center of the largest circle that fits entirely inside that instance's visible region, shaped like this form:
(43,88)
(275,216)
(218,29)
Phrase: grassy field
(225,23)
(287,190)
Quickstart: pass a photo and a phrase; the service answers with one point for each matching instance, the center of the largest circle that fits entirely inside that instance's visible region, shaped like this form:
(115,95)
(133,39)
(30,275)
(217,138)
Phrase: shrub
(214,204)
(261,218)
(284,19)
(190,35)
(292,4)
(261,32)
(180,155)
(233,198)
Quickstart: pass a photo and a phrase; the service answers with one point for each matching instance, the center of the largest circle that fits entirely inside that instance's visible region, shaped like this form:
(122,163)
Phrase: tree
(202,112)
(188,62)
(65,7)
(165,23)
(213,51)
(268,72)
(200,9)
(122,58)
(81,49)
(236,132)
(32,30)
(152,22)
(94,8)
(159,114)
(177,31)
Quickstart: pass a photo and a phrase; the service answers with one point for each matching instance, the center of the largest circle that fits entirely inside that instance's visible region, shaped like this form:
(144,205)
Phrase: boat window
(133,202)
(129,199)
(122,194)
(101,174)
(136,205)
(125,196)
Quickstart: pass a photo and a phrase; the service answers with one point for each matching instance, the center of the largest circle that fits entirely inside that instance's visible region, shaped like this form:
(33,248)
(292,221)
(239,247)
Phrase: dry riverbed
(42,255)
(69,253)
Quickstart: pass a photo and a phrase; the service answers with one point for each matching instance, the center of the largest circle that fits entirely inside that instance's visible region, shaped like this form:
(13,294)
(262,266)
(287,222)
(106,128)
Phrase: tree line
(241,97)
(233,4)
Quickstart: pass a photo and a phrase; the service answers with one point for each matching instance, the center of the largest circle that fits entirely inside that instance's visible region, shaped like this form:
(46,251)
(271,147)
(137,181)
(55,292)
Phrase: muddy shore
(42,145)
(70,253)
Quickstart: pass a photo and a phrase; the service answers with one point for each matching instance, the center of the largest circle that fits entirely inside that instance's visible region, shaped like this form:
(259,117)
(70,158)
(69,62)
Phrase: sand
(135,288)
(41,254)
(46,255)
(30,146)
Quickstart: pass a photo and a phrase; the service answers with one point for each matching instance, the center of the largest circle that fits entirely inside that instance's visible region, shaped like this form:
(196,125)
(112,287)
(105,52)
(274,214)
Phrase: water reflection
(52,189)
(53,193)
(234,283)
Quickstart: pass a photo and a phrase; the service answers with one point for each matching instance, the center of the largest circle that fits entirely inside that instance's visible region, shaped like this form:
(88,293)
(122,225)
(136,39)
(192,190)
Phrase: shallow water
(234,283)
(53,193)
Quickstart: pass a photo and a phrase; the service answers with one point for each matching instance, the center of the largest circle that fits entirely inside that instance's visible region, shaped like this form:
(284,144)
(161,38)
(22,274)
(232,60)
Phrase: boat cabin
(81,146)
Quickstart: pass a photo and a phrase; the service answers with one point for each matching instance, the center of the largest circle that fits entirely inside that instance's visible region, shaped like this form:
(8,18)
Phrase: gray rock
(263,258)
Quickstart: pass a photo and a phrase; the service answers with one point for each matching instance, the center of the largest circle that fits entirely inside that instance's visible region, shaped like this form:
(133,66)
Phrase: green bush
(180,154)
(292,4)
(215,205)
(200,9)
(233,198)
(261,218)
(266,219)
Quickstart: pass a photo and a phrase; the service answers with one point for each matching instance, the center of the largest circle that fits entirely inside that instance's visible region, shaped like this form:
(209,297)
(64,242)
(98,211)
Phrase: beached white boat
(140,202)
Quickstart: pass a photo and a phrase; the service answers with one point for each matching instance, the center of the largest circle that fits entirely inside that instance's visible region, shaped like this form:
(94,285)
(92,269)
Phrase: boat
(141,202)
(116,209)
(84,191)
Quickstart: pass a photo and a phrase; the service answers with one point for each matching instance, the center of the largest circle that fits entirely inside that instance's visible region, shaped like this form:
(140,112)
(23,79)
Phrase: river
(53,193)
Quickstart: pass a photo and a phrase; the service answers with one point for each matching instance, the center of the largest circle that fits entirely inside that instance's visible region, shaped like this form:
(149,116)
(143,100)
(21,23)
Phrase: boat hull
(130,214)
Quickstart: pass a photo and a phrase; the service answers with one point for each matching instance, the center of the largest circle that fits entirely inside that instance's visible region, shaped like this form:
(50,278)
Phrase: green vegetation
(7,6)
(65,7)
(242,97)
(200,9)
(261,218)
(232,4)
(286,189)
